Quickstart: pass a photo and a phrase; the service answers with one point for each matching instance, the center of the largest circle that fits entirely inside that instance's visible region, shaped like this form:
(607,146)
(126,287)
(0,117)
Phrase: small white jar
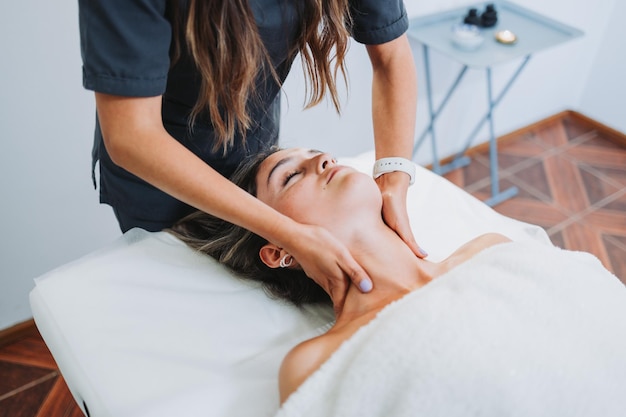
(467,37)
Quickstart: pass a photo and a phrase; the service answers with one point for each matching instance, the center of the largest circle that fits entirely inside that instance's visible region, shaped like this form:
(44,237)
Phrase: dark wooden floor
(30,382)
(572,179)
(571,176)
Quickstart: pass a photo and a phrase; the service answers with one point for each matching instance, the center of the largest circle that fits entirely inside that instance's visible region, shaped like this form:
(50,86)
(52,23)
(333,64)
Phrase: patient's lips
(333,171)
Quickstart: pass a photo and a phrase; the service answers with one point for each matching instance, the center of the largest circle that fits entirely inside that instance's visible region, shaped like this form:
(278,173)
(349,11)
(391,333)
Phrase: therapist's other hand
(328,262)
(393,188)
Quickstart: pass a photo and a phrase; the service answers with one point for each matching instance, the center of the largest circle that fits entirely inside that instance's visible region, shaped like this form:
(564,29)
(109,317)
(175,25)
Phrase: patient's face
(310,187)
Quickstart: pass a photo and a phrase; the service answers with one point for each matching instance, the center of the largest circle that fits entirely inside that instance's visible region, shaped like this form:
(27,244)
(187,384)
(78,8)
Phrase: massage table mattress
(147,327)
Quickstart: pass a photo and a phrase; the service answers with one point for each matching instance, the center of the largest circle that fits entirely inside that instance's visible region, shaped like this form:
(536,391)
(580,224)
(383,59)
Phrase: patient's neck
(393,267)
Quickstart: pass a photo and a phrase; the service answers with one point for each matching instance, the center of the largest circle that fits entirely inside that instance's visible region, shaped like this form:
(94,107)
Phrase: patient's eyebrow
(278,164)
(284,161)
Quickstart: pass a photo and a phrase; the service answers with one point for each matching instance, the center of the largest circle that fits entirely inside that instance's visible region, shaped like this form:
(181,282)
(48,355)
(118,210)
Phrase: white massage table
(147,327)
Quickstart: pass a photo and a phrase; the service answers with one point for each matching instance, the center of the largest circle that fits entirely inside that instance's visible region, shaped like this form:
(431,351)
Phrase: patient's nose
(325,161)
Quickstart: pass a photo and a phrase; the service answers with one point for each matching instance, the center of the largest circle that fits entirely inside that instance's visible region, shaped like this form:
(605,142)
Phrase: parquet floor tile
(28,401)
(572,182)
(28,351)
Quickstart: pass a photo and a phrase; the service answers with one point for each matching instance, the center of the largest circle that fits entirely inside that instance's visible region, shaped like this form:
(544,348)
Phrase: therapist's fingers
(328,262)
(395,212)
(354,272)
(400,223)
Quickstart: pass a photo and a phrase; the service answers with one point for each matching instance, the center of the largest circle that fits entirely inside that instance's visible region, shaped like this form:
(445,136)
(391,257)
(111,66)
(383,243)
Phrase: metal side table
(534,32)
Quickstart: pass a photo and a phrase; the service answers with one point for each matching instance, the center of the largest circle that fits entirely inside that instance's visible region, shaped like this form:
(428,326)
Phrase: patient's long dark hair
(239,248)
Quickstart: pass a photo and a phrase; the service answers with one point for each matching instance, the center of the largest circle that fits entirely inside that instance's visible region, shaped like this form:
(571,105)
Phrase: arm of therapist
(136,140)
(394,103)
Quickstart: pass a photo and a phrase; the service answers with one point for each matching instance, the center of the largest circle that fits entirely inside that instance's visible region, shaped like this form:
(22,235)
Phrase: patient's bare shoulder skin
(306,358)
(299,363)
(472,248)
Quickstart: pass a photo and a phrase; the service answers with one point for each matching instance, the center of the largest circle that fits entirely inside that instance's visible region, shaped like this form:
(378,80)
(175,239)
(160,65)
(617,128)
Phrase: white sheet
(147,327)
(518,330)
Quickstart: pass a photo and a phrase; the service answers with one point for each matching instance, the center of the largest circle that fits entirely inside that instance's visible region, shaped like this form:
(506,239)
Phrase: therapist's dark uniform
(125,46)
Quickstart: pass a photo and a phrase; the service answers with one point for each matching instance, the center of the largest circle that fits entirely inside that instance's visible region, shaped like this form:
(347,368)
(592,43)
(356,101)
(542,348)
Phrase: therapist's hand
(393,188)
(328,262)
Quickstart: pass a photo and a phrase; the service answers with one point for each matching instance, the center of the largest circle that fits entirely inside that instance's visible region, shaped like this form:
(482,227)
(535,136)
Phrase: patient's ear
(270,254)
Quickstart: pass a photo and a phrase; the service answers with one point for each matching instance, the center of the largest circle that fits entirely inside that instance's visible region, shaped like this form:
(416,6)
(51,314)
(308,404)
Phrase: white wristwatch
(385,165)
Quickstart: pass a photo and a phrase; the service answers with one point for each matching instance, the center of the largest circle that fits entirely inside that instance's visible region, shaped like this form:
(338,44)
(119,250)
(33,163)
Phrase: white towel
(518,330)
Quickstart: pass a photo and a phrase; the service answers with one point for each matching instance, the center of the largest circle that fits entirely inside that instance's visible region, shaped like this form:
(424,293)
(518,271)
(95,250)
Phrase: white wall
(553,81)
(50,212)
(603,96)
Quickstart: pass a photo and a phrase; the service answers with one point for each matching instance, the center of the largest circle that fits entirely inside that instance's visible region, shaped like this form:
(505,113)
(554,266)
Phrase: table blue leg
(461,160)
(435,114)
(496,102)
(431,112)
(496,196)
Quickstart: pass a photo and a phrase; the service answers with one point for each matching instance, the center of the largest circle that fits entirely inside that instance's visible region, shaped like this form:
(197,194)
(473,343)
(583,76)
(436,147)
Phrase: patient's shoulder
(301,362)
(473,247)
(488,239)
(480,243)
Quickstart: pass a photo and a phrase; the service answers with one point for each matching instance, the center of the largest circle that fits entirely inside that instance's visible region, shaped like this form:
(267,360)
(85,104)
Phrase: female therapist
(185,90)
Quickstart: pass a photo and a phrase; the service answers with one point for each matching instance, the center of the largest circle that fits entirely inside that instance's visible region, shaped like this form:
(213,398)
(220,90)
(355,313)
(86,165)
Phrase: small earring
(283,261)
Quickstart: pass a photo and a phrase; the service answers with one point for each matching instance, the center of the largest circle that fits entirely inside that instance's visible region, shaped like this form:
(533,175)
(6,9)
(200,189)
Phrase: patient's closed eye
(289,176)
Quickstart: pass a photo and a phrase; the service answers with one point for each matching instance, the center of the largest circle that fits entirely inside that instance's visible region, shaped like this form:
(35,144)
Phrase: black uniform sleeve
(125,46)
(377,21)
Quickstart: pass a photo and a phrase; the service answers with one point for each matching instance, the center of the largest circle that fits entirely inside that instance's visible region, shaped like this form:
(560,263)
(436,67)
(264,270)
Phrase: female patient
(312,188)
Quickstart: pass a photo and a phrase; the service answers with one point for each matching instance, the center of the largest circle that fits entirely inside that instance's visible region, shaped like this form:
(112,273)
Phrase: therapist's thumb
(359,277)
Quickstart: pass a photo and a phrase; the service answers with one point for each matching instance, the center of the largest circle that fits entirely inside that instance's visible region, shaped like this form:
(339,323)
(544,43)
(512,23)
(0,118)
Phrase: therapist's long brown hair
(223,39)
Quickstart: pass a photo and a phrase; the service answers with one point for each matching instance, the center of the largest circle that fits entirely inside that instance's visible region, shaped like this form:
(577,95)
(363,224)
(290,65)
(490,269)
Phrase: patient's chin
(348,197)
(359,192)
(363,187)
